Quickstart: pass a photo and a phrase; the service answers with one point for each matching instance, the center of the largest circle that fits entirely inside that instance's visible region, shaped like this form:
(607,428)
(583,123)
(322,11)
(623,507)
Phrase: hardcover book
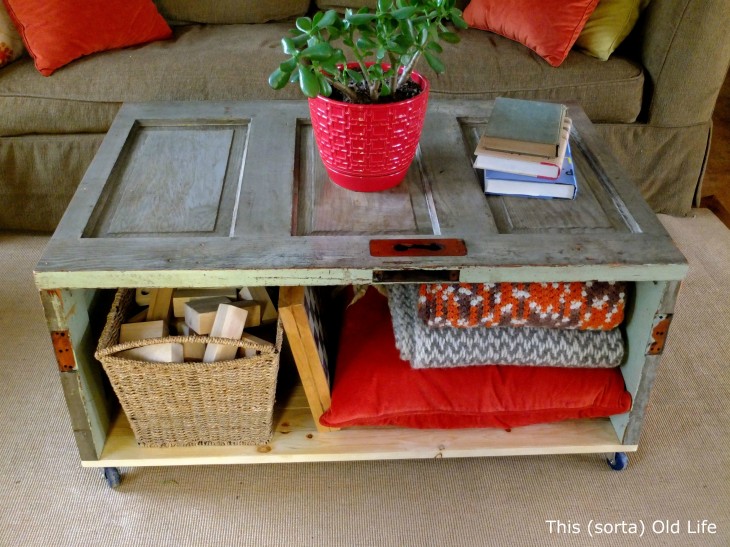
(526,127)
(522,164)
(564,187)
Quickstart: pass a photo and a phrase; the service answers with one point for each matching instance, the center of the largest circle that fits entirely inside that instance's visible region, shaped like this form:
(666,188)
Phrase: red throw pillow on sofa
(547,27)
(373,386)
(56,32)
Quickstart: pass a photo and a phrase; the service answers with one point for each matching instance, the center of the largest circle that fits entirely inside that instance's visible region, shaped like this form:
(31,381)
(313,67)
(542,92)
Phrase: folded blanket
(449,347)
(591,305)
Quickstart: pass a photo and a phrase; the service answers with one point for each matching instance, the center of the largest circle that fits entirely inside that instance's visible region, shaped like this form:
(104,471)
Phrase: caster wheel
(112,477)
(619,462)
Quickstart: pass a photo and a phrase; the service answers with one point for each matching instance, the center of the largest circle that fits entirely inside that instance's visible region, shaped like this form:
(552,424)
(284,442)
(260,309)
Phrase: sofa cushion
(484,66)
(11,44)
(56,32)
(230,11)
(549,28)
(608,26)
(237,59)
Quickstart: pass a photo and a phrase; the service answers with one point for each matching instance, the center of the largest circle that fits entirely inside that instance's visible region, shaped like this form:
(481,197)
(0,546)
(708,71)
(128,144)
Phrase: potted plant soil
(368,107)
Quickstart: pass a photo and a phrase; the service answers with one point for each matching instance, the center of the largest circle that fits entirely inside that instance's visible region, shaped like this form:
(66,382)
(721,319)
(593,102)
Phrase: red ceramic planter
(369,147)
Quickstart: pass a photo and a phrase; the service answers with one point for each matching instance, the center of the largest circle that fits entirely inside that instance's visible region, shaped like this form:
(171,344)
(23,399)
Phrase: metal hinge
(64,350)
(659,331)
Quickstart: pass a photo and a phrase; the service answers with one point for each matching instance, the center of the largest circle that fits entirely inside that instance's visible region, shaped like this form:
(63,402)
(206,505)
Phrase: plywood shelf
(296,439)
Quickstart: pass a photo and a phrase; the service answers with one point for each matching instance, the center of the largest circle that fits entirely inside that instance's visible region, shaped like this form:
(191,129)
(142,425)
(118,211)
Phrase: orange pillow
(56,32)
(547,27)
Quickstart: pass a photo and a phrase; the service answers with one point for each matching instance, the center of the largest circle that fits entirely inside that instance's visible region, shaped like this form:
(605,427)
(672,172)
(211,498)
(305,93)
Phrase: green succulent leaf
(355,75)
(450,37)
(405,13)
(328,19)
(289,65)
(299,40)
(434,62)
(318,52)
(278,79)
(366,44)
(308,81)
(304,24)
(359,19)
(458,20)
(287,44)
(325,89)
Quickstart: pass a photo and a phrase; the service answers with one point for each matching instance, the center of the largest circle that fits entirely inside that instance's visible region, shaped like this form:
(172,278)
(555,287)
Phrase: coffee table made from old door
(207,194)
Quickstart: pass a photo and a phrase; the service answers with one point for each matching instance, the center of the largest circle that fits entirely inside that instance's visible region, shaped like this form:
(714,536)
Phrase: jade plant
(384,47)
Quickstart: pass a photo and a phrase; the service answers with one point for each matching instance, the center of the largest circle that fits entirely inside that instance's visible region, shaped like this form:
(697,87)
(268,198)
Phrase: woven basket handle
(180,340)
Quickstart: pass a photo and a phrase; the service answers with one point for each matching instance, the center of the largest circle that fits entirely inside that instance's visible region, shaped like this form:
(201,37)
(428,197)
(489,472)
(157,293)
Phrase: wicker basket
(188,404)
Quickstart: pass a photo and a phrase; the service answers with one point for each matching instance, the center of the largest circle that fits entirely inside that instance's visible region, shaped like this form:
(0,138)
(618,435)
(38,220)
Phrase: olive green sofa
(652,100)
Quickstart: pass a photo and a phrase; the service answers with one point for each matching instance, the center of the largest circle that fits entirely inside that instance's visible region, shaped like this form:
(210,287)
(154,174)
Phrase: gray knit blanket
(452,347)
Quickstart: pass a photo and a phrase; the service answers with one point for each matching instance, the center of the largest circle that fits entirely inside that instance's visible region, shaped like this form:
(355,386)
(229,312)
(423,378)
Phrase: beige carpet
(679,473)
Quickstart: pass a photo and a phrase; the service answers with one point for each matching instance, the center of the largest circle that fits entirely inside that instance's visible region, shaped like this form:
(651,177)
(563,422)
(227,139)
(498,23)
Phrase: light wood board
(296,439)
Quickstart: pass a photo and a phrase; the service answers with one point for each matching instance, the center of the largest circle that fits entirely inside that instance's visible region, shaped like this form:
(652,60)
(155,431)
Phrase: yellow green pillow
(609,24)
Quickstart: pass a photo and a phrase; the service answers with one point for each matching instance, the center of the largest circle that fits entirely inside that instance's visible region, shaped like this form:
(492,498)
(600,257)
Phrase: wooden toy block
(192,351)
(178,323)
(160,304)
(200,314)
(138,317)
(244,293)
(250,352)
(140,331)
(157,353)
(229,323)
(261,295)
(254,311)
(181,296)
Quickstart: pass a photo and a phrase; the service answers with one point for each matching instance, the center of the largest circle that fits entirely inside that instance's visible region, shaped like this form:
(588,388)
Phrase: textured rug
(678,478)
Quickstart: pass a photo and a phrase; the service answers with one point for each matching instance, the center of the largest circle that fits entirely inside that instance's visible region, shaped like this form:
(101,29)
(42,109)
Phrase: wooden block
(253,319)
(157,353)
(229,323)
(261,295)
(138,317)
(180,326)
(143,297)
(140,331)
(200,314)
(251,352)
(181,296)
(192,351)
(244,293)
(160,304)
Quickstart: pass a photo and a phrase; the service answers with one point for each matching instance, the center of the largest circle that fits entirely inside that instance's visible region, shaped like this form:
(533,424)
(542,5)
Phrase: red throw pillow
(373,386)
(56,32)
(547,27)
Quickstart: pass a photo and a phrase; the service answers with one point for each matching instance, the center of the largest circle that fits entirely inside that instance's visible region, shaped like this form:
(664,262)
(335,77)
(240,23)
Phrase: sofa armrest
(685,49)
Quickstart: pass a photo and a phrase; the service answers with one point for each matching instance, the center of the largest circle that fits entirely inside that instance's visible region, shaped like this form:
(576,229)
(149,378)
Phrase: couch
(652,100)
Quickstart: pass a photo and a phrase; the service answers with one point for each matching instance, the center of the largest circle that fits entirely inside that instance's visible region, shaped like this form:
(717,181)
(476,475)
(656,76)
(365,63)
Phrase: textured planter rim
(363,182)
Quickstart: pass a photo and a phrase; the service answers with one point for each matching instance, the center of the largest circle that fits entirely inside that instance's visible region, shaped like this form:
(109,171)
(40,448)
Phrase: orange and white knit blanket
(583,306)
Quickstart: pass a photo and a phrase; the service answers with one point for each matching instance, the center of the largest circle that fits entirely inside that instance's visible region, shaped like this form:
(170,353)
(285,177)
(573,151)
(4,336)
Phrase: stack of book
(525,150)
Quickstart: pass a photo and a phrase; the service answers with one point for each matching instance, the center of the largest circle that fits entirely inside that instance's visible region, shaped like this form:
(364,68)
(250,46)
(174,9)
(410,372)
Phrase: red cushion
(373,386)
(56,32)
(547,27)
